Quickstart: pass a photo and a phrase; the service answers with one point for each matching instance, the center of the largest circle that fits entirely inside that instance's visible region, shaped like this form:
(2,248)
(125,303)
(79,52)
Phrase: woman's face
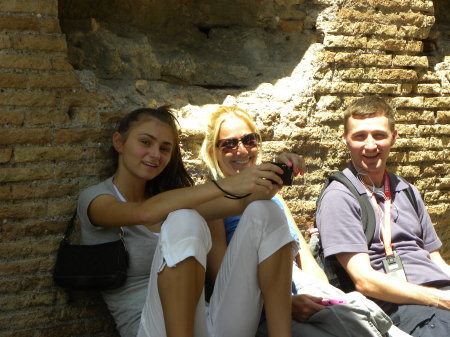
(146,150)
(231,161)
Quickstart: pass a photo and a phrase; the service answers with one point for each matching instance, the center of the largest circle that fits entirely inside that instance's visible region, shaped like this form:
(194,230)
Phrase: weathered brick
(19,23)
(73,136)
(345,41)
(414,46)
(5,155)
(5,42)
(378,88)
(75,153)
(386,44)
(27,99)
(21,61)
(44,7)
(397,75)
(410,61)
(84,99)
(11,117)
(24,136)
(16,211)
(61,207)
(50,25)
(400,5)
(326,86)
(413,115)
(428,89)
(422,5)
(375,59)
(61,64)
(407,102)
(45,191)
(424,156)
(437,102)
(47,81)
(443,117)
(433,130)
(414,32)
(11,230)
(22,249)
(350,74)
(40,42)
(47,117)
(12,80)
(26,174)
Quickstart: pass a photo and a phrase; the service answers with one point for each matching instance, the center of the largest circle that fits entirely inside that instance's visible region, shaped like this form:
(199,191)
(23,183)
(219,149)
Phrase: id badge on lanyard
(392,263)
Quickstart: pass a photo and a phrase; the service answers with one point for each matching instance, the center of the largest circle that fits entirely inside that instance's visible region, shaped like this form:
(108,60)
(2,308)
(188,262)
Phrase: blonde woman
(231,146)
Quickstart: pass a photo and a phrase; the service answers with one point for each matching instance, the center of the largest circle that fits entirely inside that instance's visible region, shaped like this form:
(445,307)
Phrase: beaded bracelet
(228,194)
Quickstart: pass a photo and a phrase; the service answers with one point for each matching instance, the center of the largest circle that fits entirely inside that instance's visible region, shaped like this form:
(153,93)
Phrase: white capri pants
(236,304)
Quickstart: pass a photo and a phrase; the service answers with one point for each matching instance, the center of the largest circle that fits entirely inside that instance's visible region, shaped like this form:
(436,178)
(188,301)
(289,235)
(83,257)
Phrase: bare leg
(180,288)
(275,277)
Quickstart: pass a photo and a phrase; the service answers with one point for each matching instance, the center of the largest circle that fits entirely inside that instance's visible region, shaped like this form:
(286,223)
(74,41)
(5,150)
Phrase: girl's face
(146,150)
(231,161)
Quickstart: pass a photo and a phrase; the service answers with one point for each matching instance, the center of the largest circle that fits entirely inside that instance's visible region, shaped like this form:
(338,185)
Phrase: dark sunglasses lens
(250,140)
(229,143)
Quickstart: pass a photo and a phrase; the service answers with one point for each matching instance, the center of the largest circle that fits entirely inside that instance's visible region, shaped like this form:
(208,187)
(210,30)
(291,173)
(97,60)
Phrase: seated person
(417,295)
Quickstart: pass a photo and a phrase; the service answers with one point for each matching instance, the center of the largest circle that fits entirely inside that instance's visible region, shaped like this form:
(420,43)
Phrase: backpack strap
(368,219)
(411,196)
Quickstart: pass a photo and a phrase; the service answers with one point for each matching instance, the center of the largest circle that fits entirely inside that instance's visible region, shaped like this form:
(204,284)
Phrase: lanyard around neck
(386,229)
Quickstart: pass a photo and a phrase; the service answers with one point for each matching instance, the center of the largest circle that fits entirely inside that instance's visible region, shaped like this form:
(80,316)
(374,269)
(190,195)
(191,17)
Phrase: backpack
(336,274)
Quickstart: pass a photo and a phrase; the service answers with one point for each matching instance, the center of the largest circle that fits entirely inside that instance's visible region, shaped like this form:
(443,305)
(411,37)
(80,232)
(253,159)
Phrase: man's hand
(304,306)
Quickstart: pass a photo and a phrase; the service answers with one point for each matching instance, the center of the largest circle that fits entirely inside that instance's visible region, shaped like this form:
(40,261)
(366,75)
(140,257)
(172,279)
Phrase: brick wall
(54,132)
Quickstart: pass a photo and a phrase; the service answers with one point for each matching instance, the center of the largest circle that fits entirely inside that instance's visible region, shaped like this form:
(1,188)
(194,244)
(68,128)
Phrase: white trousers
(235,306)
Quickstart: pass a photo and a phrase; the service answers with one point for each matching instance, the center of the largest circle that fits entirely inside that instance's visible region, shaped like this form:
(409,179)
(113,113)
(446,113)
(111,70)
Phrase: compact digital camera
(288,174)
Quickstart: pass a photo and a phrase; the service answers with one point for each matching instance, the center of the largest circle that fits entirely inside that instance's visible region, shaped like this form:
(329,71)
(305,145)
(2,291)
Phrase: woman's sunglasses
(229,144)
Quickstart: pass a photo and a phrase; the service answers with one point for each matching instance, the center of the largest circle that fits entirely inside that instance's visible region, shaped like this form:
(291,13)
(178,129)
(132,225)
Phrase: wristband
(228,194)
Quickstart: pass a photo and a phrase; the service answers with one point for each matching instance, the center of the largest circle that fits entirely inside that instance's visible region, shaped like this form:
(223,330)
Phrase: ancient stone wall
(70,68)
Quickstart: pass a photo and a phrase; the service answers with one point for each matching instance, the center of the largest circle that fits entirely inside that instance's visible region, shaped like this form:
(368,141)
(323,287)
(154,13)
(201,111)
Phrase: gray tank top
(126,302)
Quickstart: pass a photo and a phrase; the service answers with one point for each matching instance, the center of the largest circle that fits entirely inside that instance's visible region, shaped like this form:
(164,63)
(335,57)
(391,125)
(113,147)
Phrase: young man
(401,267)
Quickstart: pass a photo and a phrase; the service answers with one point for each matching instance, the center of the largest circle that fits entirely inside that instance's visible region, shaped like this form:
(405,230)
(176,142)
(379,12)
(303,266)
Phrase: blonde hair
(209,150)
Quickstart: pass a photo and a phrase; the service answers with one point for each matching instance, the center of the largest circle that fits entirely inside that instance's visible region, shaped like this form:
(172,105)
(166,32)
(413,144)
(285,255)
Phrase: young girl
(231,146)
(150,198)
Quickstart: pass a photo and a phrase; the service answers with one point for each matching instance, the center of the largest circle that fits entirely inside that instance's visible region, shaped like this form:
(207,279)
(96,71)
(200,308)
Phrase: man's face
(369,141)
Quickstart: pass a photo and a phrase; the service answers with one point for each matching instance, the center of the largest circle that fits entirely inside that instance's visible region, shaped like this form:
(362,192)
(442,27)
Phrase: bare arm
(106,210)
(387,288)
(437,259)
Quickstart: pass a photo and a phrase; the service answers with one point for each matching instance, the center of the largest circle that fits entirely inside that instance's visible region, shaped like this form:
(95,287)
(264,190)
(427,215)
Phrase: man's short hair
(369,106)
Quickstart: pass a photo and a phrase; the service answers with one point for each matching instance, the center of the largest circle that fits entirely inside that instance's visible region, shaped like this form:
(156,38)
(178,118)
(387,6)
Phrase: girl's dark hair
(175,174)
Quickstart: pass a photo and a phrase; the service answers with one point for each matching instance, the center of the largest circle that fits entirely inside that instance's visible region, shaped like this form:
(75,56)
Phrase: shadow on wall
(142,52)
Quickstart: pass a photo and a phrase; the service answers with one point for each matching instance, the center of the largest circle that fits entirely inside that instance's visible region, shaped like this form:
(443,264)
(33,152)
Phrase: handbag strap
(71,225)
(69,229)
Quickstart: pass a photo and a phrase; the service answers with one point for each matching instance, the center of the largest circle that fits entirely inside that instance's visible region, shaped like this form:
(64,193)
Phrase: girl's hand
(294,160)
(304,306)
(254,179)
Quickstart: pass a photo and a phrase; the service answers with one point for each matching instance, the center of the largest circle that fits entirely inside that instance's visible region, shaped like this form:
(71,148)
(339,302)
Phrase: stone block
(437,102)
(43,7)
(375,59)
(414,46)
(429,89)
(47,117)
(410,61)
(45,191)
(85,99)
(5,42)
(325,86)
(413,32)
(425,6)
(414,115)
(392,75)
(16,211)
(11,117)
(8,174)
(13,80)
(73,136)
(443,117)
(408,102)
(398,5)
(434,130)
(339,41)
(25,136)
(350,74)
(59,153)
(52,81)
(50,25)
(27,99)
(19,23)
(378,88)
(60,64)
(48,43)
(386,44)
(21,61)
(5,155)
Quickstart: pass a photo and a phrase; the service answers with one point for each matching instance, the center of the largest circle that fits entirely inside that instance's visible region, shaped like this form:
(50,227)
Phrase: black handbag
(90,267)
